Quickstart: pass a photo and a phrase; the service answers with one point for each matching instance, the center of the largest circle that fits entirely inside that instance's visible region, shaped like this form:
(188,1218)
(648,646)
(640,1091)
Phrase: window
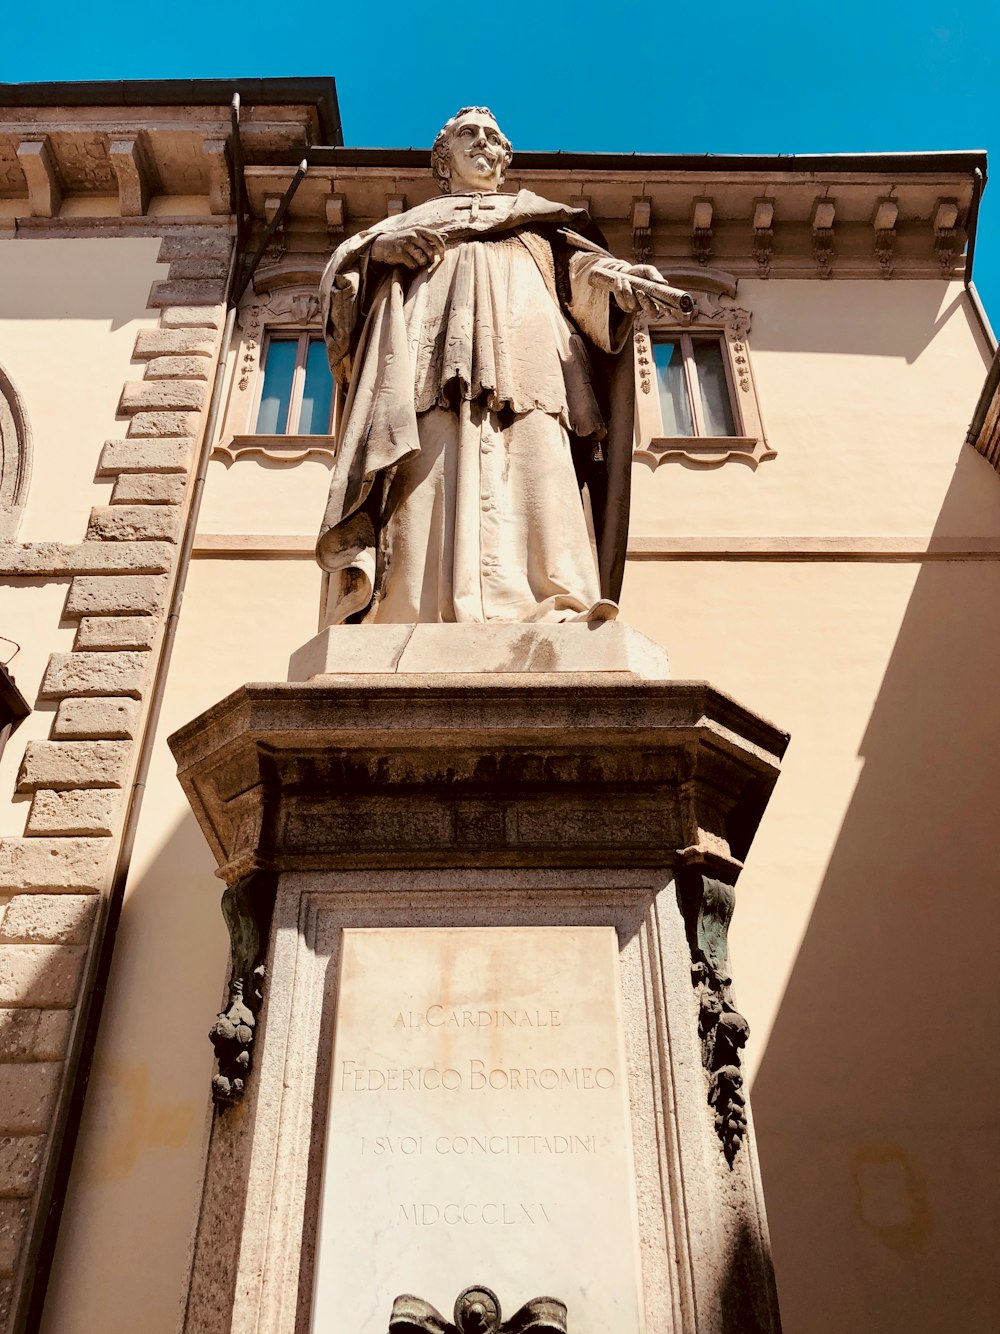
(693,385)
(296,395)
(695,398)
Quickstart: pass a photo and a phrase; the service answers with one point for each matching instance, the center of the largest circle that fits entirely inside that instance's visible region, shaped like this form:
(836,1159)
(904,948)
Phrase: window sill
(705,451)
(286,449)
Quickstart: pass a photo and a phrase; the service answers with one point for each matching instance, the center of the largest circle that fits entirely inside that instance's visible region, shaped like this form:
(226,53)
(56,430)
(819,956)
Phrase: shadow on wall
(877,1096)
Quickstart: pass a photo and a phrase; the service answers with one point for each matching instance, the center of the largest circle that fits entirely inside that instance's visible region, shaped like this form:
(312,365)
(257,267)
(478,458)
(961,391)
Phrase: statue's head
(471,152)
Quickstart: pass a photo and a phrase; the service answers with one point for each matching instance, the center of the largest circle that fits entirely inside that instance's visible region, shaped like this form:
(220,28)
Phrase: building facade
(811,531)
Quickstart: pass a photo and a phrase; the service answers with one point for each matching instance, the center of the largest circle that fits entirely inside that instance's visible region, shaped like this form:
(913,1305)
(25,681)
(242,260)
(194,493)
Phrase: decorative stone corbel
(477,1311)
(701,230)
(336,217)
(946,235)
(642,229)
(706,904)
(246,906)
(135,173)
(216,151)
(38,165)
(274,252)
(823,215)
(884,224)
(394,205)
(763,234)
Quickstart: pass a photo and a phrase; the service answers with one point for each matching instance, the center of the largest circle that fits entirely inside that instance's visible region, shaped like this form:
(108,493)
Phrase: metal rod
(272,227)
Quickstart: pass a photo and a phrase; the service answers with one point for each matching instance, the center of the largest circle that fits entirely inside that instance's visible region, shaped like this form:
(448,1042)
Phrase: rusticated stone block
(111,632)
(20,1159)
(93,674)
(120,523)
(192,317)
(87,811)
(163,424)
(48,919)
(160,396)
(39,975)
(34,1035)
(113,718)
(52,865)
(185,292)
(182,244)
(148,488)
(72,764)
(174,343)
(122,595)
(41,558)
(13,1225)
(199,267)
(166,456)
(178,368)
(27,1093)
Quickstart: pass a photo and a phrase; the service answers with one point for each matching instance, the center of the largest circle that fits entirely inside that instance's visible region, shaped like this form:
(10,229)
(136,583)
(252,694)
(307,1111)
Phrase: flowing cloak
(505,339)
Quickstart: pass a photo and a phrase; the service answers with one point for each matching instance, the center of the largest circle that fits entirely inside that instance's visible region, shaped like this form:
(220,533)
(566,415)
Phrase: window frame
(303,338)
(729,326)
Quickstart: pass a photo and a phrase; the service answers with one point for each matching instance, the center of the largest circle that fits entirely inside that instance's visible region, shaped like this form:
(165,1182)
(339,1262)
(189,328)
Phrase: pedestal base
(550,804)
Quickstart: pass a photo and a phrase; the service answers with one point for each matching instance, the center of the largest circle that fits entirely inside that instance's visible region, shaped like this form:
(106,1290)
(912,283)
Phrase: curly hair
(439,152)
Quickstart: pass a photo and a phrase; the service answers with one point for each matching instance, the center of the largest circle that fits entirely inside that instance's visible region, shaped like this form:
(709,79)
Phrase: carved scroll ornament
(477,1311)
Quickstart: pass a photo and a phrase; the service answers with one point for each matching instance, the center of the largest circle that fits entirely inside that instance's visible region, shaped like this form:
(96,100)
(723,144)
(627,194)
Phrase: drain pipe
(95,981)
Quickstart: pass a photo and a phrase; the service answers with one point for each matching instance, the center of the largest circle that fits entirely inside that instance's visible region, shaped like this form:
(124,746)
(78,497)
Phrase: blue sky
(725,78)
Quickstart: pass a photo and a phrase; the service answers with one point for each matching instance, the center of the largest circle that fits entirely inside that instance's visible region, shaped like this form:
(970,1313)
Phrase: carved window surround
(288,310)
(731,324)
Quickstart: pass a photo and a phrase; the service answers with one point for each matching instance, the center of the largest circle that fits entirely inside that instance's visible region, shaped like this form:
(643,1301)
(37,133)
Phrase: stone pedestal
(480,1028)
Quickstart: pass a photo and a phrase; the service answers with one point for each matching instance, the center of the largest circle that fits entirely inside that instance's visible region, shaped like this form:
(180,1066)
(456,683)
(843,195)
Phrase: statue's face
(476,154)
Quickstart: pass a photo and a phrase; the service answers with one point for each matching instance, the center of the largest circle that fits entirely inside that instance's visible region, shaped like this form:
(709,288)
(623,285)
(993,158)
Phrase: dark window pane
(272,419)
(314,418)
(674,404)
(717,409)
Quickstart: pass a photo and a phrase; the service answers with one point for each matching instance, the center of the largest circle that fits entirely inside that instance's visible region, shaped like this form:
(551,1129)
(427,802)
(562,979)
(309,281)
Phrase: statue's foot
(604,610)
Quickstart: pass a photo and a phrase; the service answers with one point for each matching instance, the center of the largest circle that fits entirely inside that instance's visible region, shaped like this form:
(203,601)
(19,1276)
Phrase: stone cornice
(70,164)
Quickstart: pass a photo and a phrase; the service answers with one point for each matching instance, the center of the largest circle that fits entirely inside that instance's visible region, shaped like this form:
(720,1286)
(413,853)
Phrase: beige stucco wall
(69,314)
(865,906)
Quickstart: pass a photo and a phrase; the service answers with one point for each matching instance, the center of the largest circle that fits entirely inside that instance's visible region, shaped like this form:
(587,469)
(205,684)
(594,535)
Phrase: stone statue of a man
(478,334)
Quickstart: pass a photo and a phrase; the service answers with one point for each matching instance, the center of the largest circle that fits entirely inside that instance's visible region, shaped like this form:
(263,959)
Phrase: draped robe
(455,494)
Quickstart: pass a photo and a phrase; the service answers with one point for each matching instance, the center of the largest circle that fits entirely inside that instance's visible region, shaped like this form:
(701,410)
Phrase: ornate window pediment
(15,456)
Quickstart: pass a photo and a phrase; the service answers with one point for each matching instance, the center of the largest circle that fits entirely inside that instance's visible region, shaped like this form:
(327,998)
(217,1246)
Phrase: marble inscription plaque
(478,1127)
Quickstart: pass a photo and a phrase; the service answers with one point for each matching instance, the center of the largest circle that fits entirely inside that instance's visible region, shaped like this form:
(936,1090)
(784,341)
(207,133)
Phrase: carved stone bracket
(823,216)
(701,230)
(477,1311)
(763,235)
(884,223)
(946,237)
(642,229)
(246,906)
(707,907)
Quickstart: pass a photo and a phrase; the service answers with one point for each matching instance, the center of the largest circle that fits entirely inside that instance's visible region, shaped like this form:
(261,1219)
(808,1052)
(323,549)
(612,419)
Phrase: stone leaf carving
(477,1311)
(246,906)
(707,906)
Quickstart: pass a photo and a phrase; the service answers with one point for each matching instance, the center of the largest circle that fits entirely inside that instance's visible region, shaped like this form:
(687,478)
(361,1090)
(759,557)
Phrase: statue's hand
(414,248)
(640,287)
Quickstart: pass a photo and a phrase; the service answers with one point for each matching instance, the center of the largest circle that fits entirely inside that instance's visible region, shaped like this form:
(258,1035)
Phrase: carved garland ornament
(246,906)
(707,907)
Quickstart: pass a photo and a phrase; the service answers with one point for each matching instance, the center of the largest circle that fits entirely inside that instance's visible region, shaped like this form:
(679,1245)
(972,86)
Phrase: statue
(484,340)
